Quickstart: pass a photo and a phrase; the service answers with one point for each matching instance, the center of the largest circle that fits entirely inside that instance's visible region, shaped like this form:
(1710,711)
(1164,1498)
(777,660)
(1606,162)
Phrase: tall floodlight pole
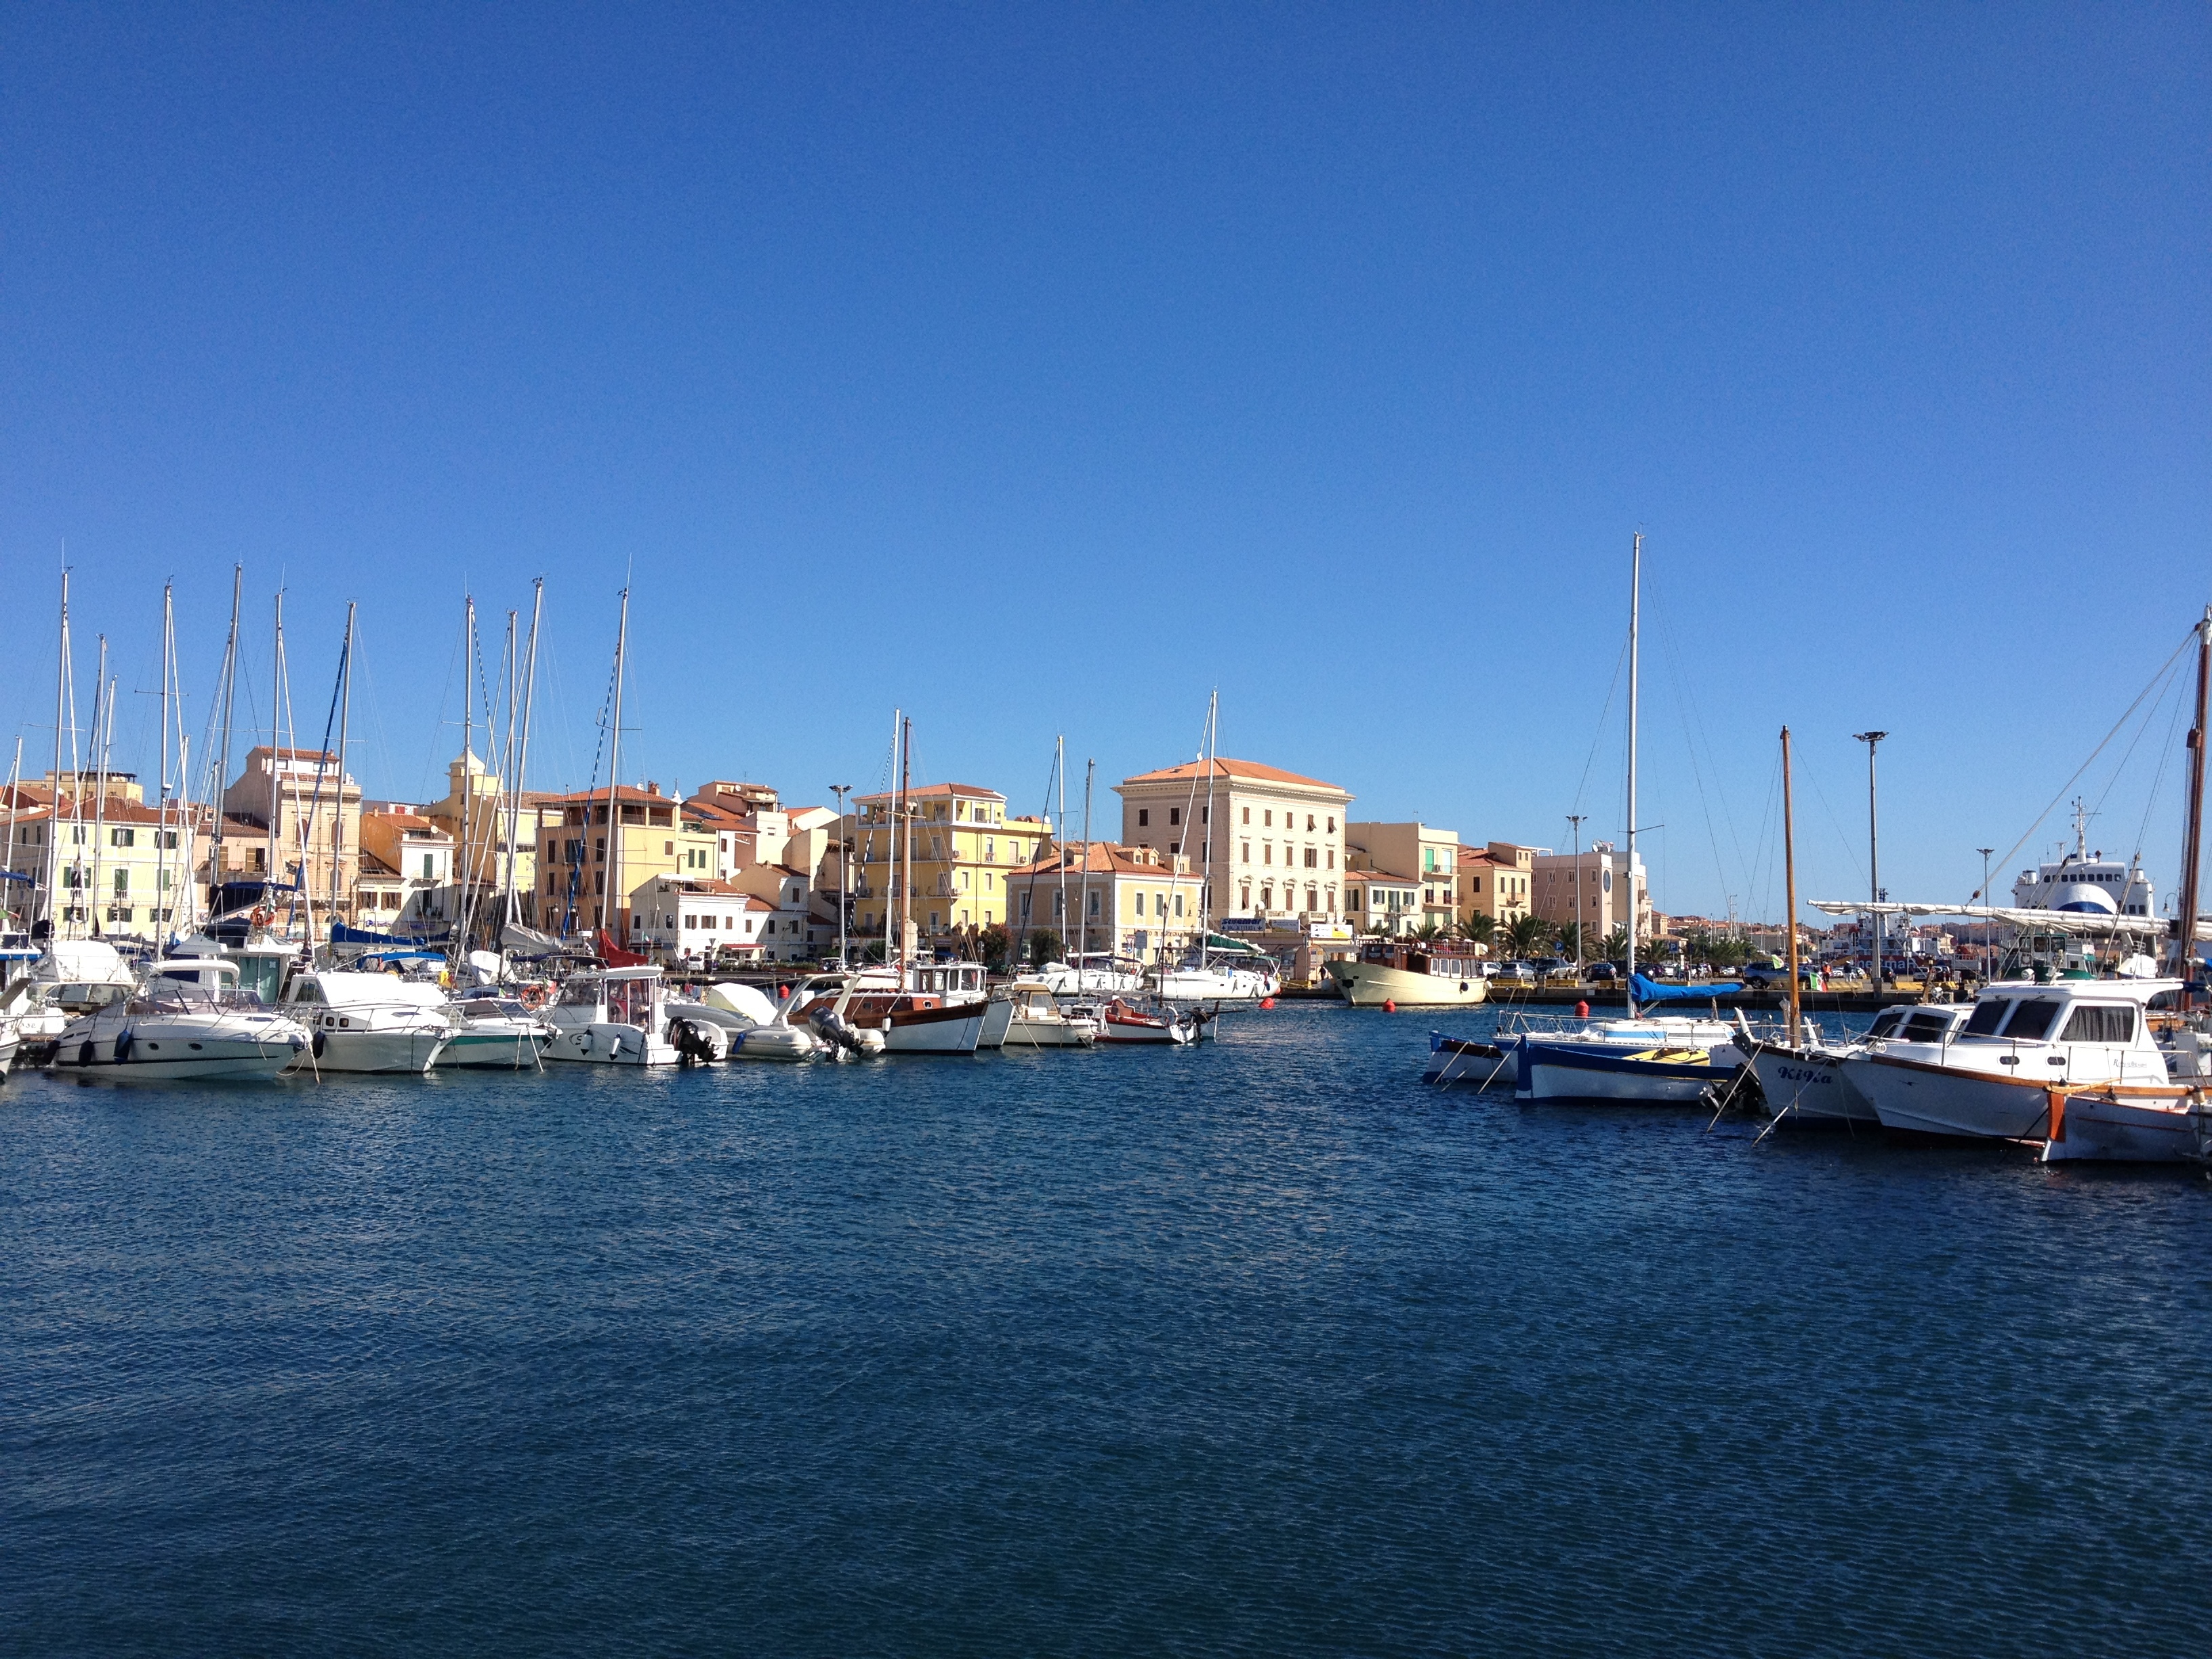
(1986,902)
(1872,740)
(844,867)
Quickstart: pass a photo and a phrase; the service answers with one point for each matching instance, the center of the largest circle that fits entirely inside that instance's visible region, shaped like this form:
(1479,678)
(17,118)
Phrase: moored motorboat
(1122,1024)
(370,1022)
(613,1017)
(915,1024)
(2129,1123)
(1026,1015)
(496,1033)
(175,1031)
(1806,1086)
(1410,973)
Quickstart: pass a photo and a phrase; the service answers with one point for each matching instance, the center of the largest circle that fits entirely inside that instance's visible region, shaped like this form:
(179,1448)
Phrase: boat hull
(506,1051)
(180,1055)
(1370,985)
(774,1043)
(954,1030)
(1809,1088)
(1917,1099)
(1654,1077)
(372,1051)
(2126,1128)
(605,1042)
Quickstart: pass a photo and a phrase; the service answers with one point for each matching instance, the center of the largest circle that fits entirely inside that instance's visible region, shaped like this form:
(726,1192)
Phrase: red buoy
(1581,1010)
(1266,1002)
(1389,1007)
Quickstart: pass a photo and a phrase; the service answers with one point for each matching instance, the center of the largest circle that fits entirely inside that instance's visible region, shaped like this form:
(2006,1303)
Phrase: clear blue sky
(1038,368)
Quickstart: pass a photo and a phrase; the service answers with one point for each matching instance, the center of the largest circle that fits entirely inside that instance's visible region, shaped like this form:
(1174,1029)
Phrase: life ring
(262,916)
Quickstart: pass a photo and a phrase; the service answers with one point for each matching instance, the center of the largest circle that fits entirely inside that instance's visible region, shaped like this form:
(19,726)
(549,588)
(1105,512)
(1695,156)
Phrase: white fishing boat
(179,1030)
(613,1017)
(1026,1015)
(2130,1124)
(1806,1085)
(1991,1077)
(496,1033)
(1412,973)
(914,1023)
(369,1023)
(1092,974)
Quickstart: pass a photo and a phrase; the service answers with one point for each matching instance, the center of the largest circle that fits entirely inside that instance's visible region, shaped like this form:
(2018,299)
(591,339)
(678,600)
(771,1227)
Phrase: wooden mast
(2192,840)
(1635,601)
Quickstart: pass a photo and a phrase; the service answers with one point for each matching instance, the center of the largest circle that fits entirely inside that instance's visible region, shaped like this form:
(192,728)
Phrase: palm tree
(1528,934)
(1616,944)
(1479,927)
(1428,932)
(1571,940)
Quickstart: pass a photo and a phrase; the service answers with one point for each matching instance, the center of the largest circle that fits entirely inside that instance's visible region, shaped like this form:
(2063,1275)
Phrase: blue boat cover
(1649,990)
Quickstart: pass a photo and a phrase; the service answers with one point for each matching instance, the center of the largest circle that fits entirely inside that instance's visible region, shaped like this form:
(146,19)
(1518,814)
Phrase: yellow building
(1130,901)
(307,815)
(116,867)
(1497,881)
(964,847)
(653,837)
(475,814)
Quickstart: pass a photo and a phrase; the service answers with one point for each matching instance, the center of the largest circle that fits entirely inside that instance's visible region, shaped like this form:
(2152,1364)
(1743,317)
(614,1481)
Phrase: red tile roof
(1103,858)
(1225,769)
(934,791)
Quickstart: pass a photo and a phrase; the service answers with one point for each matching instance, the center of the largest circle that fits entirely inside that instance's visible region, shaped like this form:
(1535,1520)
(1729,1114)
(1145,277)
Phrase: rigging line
(438,728)
(1697,775)
(1843,838)
(1597,734)
(2172,678)
(1693,728)
(361,666)
(2187,640)
(2158,778)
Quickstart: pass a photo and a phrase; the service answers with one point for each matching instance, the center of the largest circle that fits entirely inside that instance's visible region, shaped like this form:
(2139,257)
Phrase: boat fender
(1389,1007)
(84,1052)
(322,1040)
(122,1048)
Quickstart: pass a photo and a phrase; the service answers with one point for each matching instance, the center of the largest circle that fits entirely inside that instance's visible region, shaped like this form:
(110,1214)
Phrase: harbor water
(1262,1347)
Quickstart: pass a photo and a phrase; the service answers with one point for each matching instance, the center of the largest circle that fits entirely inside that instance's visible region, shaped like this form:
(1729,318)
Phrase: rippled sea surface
(1263,1348)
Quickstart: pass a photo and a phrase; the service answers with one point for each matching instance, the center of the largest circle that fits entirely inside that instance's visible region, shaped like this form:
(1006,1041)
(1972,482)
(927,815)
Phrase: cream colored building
(1591,887)
(966,846)
(308,817)
(654,835)
(1429,854)
(1497,881)
(1127,901)
(1273,839)
(104,866)
(475,814)
(1380,900)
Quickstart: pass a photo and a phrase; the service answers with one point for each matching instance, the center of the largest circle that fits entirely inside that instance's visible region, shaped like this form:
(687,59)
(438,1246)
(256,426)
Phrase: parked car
(1601,973)
(1514,973)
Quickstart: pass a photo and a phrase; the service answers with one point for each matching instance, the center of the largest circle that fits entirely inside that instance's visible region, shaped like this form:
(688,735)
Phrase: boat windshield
(2092,1022)
(1927,1027)
(1887,1022)
(2032,1019)
(1988,1014)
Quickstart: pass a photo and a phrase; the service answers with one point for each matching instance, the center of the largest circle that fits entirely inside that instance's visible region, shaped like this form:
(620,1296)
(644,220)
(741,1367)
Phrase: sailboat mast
(8,866)
(510,667)
(891,848)
(162,813)
(1635,611)
(1060,766)
(906,841)
(275,735)
(1084,901)
(222,758)
(54,835)
(1206,884)
(464,878)
(1790,895)
(346,721)
(2192,839)
(103,722)
(614,772)
(522,749)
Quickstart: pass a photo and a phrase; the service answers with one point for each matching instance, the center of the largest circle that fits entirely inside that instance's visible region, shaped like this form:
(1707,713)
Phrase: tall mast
(276,734)
(891,848)
(345,719)
(1083,902)
(1790,895)
(1060,765)
(1206,884)
(8,866)
(465,877)
(614,773)
(522,749)
(54,815)
(906,841)
(1635,604)
(103,722)
(162,813)
(2192,839)
(222,758)
(510,667)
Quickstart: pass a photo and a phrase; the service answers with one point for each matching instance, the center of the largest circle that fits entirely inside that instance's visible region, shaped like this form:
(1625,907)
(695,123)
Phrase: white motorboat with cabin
(70,977)
(1091,974)
(613,1017)
(1026,1015)
(371,1023)
(1412,974)
(1807,1086)
(496,1032)
(1990,1078)
(185,1025)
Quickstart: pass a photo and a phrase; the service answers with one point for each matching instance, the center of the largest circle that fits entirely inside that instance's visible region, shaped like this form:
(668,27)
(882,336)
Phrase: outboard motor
(700,1041)
(843,1040)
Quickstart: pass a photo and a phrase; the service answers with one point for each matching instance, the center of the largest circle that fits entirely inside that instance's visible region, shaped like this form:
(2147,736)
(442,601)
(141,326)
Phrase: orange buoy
(1389,1007)
(1581,1010)
(1266,1002)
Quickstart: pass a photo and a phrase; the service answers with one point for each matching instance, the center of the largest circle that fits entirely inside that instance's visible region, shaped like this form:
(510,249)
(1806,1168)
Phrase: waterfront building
(1378,902)
(418,853)
(802,920)
(306,816)
(654,836)
(102,866)
(965,845)
(1421,849)
(1591,887)
(475,814)
(696,918)
(1494,881)
(1275,839)
(1102,896)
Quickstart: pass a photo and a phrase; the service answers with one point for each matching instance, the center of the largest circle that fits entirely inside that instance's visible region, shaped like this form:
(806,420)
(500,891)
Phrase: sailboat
(1198,977)
(1644,1060)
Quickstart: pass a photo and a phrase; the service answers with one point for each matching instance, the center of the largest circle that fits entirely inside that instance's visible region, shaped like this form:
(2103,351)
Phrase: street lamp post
(844,867)
(1874,848)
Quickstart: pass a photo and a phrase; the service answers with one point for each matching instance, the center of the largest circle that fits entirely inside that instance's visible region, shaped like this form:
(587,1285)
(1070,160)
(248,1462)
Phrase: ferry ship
(2084,883)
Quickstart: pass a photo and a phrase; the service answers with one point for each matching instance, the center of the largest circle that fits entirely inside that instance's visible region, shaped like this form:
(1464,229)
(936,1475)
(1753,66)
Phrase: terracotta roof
(404,821)
(1370,876)
(373,868)
(1103,858)
(932,792)
(1224,768)
(627,793)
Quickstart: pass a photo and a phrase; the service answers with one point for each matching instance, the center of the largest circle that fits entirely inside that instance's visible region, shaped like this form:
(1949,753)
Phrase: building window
(1141,904)
(1267,852)
(1309,823)
(1178,904)
(1331,826)
(121,837)
(1094,904)
(1025,907)
(1245,847)
(1267,817)
(1310,859)
(1248,815)
(1174,815)
(1244,898)
(1332,858)
(1144,818)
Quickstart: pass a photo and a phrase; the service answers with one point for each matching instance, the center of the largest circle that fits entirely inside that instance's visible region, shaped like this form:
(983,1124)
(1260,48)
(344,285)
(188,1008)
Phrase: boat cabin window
(2092,1024)
(580,994)
(1988,1014)
(1887,1022)
(306,990)
(1927,1028)
(2031,1018)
